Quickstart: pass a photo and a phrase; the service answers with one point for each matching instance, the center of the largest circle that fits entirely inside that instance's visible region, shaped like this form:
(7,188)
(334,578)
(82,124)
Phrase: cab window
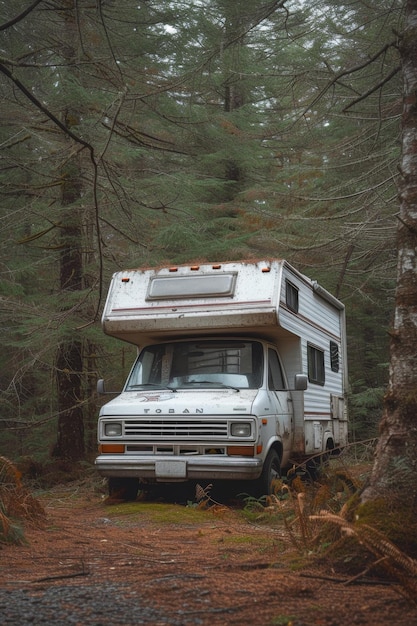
(275,376)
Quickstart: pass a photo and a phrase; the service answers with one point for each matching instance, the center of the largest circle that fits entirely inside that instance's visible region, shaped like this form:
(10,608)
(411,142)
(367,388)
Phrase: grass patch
(283,620)
(161,513)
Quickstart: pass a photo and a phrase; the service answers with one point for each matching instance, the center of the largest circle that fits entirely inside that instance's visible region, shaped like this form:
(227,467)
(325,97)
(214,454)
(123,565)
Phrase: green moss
(396,519)
(283,620)
(160,513)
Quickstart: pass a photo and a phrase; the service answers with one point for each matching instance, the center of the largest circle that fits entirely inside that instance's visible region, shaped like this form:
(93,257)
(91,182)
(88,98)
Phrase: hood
(182,402)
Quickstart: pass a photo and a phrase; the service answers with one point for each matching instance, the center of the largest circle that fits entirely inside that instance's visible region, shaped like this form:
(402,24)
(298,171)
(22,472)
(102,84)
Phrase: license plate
(171,469)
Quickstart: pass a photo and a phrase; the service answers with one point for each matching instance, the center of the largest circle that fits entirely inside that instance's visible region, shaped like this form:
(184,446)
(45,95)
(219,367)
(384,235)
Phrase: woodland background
(141,133)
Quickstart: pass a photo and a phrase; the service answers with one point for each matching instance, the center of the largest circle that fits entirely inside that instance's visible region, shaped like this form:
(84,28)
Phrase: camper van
(241,372)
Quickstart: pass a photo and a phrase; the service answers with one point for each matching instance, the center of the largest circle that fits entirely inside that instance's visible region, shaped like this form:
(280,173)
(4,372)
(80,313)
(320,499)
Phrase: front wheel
(271,473)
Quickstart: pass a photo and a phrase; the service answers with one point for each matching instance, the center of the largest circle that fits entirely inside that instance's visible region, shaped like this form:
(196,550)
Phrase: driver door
(283,410)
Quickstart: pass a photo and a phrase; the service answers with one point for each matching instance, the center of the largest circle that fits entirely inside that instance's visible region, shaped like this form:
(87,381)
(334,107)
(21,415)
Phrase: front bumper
(174,468)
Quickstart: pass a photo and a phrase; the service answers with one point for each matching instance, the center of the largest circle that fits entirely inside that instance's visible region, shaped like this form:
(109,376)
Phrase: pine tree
(397,446)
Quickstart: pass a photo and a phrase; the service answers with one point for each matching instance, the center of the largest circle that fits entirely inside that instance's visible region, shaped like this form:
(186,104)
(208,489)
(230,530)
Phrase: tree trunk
(234,97)
(393,476)
(69,360)
(70,436)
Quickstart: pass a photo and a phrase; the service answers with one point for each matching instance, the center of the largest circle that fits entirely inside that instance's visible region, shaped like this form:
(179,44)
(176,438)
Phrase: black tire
(123,488)
(271,472)
(317,464)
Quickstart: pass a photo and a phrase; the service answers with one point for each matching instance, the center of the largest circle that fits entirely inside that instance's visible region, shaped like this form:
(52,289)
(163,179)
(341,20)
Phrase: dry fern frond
(399,565)
(204,499)
(303,519)
(322,496)
(202,493)
(348,482)
(298,484)
(300,528)
(16,503)
(4,525)
(219,510)
(9,474)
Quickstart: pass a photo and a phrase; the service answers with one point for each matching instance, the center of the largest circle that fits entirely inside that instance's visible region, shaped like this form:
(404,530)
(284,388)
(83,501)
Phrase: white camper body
(241,371)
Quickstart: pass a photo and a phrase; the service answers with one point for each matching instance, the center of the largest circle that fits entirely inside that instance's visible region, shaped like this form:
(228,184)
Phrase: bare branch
(7,72)
(374,88)
(348,71)
(21,16)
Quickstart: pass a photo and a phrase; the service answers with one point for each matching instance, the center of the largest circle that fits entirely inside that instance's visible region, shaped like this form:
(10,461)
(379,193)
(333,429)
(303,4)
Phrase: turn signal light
(240,451)
(111,448)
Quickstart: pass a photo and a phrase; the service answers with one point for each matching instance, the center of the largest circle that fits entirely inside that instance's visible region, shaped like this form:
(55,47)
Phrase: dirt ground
(189,566)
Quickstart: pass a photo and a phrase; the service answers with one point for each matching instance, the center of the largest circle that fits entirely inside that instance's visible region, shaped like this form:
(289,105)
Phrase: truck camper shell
(145,305)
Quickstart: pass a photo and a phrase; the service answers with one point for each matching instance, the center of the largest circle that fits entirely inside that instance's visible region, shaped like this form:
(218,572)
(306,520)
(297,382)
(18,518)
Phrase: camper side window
(315,360)
(334,356)
(275,375)
(291,296)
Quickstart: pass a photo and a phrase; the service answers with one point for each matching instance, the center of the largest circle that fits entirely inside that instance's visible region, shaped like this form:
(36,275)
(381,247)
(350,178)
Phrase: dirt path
(163,564)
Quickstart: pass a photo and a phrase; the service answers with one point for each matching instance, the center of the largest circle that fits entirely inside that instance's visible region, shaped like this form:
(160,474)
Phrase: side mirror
(300,382)
(101,389)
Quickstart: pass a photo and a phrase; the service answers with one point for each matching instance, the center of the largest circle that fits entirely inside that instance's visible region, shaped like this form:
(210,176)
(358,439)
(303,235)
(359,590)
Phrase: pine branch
(21,15)
(374,88)
(347,72)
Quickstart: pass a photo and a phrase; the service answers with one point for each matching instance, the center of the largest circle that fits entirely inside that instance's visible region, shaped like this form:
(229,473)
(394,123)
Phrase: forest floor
(100,563)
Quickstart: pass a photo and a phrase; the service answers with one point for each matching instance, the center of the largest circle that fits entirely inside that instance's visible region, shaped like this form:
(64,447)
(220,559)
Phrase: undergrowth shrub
(17,506)
(322,521)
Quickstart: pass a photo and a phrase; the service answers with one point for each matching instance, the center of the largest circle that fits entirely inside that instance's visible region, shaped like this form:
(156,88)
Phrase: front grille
(162,428)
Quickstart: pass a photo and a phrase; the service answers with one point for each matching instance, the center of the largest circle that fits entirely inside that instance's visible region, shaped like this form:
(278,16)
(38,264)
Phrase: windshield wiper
(216,383)
(144,385)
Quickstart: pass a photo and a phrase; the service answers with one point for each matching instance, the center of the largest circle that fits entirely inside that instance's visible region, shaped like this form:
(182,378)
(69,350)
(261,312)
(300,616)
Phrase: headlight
(112,430)
(240,430)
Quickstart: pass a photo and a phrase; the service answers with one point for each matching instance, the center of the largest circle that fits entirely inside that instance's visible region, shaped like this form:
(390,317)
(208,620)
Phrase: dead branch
(59,577)
(21,15)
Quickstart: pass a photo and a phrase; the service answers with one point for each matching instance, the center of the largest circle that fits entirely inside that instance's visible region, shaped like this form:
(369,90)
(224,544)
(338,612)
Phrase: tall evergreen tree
(392,490)
(69,361)
(55,82)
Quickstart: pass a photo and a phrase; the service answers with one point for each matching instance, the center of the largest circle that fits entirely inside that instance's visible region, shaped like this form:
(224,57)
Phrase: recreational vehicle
(241,372)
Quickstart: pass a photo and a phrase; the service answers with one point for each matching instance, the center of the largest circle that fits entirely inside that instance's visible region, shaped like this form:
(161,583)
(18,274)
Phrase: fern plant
(17,505)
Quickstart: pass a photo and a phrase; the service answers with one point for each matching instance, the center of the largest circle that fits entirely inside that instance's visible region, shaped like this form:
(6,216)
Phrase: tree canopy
(158,131)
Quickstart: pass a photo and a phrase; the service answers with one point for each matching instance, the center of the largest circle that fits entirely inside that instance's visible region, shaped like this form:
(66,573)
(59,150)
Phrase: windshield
(199,364)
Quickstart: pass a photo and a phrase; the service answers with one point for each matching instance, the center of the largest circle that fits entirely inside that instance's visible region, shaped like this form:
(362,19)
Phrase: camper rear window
(315,359)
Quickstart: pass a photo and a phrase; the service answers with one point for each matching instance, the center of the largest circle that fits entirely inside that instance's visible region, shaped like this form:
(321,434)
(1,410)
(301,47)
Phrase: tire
(316,465)
(123,488)
(271,472)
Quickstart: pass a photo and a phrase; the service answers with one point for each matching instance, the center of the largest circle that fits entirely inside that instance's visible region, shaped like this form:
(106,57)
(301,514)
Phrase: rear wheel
(271,473)
(123,488)
(316,465)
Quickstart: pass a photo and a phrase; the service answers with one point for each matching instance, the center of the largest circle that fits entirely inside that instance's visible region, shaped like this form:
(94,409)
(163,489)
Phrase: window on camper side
(315,360)
(334,356)
(291,296)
